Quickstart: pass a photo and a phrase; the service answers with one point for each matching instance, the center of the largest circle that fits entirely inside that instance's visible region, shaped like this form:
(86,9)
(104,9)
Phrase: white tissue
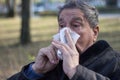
(61,37)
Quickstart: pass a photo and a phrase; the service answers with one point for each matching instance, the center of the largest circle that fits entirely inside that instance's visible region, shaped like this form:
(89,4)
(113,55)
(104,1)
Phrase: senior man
(87,59)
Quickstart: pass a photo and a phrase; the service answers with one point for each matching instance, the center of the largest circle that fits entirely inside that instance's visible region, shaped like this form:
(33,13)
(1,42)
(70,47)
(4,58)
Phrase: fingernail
(53,61)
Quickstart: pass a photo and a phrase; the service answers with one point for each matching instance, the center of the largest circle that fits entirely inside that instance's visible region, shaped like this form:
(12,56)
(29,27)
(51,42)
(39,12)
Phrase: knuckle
(61,47)
(76,54)
(49,48)
(41,50)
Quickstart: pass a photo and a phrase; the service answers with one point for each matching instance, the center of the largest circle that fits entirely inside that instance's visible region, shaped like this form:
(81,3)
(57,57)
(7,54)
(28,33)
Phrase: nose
(68,25)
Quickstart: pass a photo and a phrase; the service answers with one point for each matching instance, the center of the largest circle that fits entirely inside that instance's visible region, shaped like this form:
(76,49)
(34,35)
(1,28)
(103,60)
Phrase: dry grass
(14,56)
(110,31)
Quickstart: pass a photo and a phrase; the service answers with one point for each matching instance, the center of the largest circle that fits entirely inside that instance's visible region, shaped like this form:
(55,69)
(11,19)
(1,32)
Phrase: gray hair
(90,12)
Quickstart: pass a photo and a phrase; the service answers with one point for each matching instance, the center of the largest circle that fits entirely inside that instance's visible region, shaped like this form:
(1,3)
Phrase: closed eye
(76,25)
(61,26)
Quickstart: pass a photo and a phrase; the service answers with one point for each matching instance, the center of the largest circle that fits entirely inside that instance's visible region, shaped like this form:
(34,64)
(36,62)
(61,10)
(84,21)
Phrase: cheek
(78,31)
(86,38)
(86,35)
(84,42)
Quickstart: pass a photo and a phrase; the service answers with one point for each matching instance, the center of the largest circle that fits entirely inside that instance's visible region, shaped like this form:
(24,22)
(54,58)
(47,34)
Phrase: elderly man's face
(75,20)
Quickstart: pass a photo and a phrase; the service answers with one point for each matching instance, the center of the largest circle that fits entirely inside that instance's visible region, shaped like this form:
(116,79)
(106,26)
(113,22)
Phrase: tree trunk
(111,3)
(25,30)
(11,8)
(66,1)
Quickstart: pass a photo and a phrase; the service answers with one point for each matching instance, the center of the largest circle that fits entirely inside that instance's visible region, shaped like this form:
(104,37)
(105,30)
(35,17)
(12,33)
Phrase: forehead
(71,13)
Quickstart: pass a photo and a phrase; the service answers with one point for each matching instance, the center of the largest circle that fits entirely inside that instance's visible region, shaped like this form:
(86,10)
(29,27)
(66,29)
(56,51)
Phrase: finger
(66,53)
(60,45)
(54,48)
(46,53)
(53,52)
(63,48)
(69,39)
(50,57)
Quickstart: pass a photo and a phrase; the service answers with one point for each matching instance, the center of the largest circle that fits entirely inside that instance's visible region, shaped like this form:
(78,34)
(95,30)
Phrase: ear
(95,33)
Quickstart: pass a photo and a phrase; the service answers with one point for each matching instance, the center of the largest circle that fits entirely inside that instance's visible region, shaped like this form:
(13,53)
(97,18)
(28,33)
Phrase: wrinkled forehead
(71,14)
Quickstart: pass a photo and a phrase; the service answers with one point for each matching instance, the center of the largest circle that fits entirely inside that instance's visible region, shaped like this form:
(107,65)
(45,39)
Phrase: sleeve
(26,73)
(86,74)
(31,74)
(83,73)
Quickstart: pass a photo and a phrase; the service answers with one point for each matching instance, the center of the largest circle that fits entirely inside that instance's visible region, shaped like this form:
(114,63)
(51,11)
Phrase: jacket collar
(94,50)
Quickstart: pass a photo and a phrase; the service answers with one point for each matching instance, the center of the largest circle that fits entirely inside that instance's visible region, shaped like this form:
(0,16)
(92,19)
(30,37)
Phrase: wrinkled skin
(75,20)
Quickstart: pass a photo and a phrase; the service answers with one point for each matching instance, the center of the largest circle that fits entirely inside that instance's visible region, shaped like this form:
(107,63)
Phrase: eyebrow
(74,18)
(77,18)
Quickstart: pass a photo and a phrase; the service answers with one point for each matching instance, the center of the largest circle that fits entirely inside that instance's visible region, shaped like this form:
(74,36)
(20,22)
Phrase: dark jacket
(99,62)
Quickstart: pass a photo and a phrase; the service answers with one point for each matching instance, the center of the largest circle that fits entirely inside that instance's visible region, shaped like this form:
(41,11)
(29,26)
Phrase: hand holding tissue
(61,37)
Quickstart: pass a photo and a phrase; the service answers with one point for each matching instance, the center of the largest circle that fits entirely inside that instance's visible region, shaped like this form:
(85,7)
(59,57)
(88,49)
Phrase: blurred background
(28,25)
